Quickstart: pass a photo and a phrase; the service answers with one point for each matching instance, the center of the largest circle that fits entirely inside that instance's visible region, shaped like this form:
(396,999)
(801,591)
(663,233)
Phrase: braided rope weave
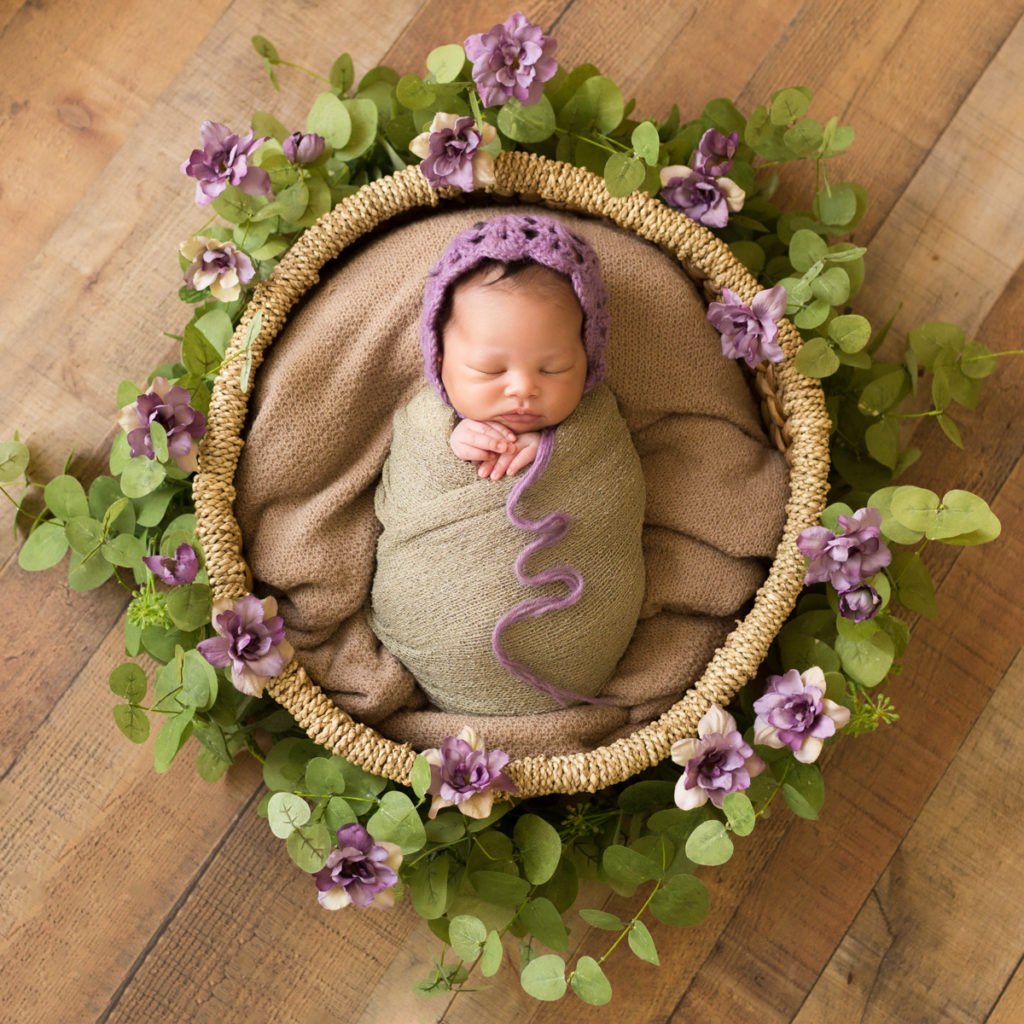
(794,411)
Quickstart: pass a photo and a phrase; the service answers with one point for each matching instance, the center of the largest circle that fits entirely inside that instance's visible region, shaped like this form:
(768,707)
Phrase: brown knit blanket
(320,428)
(446,561)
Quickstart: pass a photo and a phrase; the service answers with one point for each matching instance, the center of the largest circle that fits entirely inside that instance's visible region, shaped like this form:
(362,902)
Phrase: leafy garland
(477,869)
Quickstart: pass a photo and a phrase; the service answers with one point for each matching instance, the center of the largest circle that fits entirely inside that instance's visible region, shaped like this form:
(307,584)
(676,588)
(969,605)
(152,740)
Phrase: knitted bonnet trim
(518,236)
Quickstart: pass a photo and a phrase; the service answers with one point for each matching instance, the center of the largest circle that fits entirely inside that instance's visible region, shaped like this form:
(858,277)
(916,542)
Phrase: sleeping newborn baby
(510,569)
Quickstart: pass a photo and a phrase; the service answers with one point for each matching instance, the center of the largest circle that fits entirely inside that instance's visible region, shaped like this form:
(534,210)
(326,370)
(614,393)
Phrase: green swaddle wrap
(446,560)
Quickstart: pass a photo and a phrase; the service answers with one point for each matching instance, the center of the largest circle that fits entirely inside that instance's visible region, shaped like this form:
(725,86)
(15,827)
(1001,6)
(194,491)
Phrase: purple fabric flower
(794,712)
(452,154)
(251,641)
(848,559)
(464,775)
(707,200)
(360,872)
(715,152)
(512,60)
(223,161)
(303,148)
(718,762)
(750,332)
(859,603)
(169,406)
(182,568)
(219,266)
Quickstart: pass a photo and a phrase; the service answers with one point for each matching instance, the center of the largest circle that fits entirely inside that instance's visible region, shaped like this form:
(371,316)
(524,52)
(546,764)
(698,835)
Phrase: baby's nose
(521,384)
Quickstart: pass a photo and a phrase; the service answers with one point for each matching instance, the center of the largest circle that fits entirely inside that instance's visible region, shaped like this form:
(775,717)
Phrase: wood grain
(133,897)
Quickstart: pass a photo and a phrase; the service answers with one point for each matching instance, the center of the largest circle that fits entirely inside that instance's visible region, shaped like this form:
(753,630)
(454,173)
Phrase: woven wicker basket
(793,406)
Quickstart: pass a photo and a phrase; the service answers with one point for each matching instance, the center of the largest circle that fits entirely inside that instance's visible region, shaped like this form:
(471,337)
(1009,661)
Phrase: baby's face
(513,352)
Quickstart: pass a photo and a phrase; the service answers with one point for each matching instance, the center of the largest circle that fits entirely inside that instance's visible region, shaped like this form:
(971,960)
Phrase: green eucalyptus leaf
(740,813)
(339,813)
(866,661)
(197,353)
(804,789)
(915,508)
(132,721)
(397,821)
(266,124)
(977,360)
(623,174)
(189,605)
(882,393)
(836,206)
(46,545)
(287,812)
(832,286)
(892,528)
(646,795)
(883,441)
(544,977)
(709,844)
(128,680)
(500,888)
(589,982)
(309,846)
(330,118)
(723,114)
(65,497)
(530,124)
(363,118)
(285,764)
(448,827)
(805,249)
(603,920)
(87,572)
(142,476)
(171,738)
(14,458)
(125,550)
(683,899)
(412,92)
(646,142)
(850,332)
(420,777)
(198,681)
(342,73)
(467,935)
(234,205)
(445,62)
(789,105)
(266,49)
(540,845)
(813,315)
(816,358)
(914,587)
(964,518)
(542,920)
(804,137)
(642,943)
(428,887)
(627,868)
(597,104)
(490,955)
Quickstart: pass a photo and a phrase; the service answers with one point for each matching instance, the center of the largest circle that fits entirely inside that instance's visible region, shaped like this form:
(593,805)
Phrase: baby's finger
(501,465)
(521,459)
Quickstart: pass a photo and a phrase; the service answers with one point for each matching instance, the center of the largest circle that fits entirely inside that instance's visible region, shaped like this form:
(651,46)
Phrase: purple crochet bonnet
(518,236)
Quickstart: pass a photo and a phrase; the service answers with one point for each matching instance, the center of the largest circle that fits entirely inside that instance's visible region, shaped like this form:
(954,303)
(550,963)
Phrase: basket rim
(533,179)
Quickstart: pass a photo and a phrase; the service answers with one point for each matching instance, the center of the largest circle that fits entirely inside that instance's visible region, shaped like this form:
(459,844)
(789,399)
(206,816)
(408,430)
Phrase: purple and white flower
(219,266)
(223,161)
(169,406)
(176,570)
(715,152)
(718,762)
(360,872)
(750,332)
(251,641)
(794,712)
(303,147)
(452,152)
(702,197)
(845,560)
(463,774)
(513,60)
(860,603)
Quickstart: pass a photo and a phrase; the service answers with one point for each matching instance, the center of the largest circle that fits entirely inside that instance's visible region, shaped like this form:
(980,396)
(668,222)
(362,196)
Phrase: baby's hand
(510,462)
(481,441)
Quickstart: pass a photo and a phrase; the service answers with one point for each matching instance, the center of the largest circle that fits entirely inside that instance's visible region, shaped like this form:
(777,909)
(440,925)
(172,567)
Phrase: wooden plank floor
(134,898)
